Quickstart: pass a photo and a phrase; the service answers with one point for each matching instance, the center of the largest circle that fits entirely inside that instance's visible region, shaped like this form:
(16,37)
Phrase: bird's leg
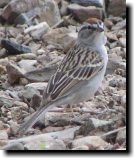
(69,108)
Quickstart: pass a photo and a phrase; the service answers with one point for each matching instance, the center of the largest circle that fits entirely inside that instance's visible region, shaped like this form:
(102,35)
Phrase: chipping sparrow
(80,73)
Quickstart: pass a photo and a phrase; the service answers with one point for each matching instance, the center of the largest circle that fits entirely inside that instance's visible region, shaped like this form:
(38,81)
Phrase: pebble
(23,81)
(1,125)
(54,144)
(111,36)
(121,136)
(108,23)
(83,147)
(30,56)
(13,127)
(93,142)
(14,146)
(122,42)
(28,93)
(38,86)
(4,61)
(87,12)
(97,3)
(2,69)
(123,100)
(3,137)
(27,64)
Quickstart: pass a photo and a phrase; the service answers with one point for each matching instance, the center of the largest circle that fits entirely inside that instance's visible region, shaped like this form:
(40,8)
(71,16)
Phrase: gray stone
(60,37)
(6,100)
(121,33)
(3,3)
(38,30)
(113,45)
(23,81)
(27,64)
(30,56)
(93,142)
(52,129)
(38,86)
(58,119)
(83,13)
(3,135)
(54,144)
(28,93)
(64,9)
(121,136)
(13,127)
(97,3)
(67,134)
(14,146)
(108,23)
(41,75)
(115,50)
(123,100)
(122,42)
(2,70)
(117,8)
(47,10)
(111,36)
(91,124)
(115,63)
(14,73)
(100,123)
(118,81)
(83,147)
(1,125)
(120,25)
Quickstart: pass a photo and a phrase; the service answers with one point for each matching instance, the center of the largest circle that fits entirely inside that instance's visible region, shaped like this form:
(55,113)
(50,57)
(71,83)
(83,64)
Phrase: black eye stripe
(84,27)
(87,27)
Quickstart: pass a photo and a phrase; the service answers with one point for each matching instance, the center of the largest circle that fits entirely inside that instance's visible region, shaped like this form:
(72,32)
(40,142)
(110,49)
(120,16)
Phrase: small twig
(53,62)
(77,110)
(112,132)
(61,22)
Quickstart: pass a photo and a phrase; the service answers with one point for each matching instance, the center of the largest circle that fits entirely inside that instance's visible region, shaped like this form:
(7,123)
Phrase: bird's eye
(99,22)
(89,27)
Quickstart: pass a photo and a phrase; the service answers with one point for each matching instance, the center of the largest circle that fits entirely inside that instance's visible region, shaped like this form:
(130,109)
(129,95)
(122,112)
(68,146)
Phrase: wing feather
(69,74)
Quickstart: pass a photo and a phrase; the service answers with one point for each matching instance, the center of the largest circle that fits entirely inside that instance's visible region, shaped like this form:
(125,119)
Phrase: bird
(79,74)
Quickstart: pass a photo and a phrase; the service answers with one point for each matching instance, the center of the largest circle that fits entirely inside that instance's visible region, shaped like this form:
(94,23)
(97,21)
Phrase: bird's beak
(100,27)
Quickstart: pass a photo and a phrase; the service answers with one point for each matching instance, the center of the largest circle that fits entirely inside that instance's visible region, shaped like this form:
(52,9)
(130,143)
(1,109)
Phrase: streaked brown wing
(59,86)
(79,64)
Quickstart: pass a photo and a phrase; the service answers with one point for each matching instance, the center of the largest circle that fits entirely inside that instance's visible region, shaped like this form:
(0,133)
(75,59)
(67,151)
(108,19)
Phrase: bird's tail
(29,123)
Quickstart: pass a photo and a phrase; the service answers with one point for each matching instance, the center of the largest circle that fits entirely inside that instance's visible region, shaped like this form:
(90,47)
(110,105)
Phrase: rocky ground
(34,36)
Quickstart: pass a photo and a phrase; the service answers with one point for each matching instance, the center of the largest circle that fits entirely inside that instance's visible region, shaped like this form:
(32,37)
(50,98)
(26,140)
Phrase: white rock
(46,145)
(100,123)
(27,65)
(123,42)
(93,142)
(81,148)
(123,100)
(36,27)
(111,36)
(14,146)
(26,56)
(121,136)
(38,86)
(13,127)
(3,135)
(82,13)
(1,125)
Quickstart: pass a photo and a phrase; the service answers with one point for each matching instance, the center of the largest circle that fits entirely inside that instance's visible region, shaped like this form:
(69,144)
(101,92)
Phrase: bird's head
(92,32)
